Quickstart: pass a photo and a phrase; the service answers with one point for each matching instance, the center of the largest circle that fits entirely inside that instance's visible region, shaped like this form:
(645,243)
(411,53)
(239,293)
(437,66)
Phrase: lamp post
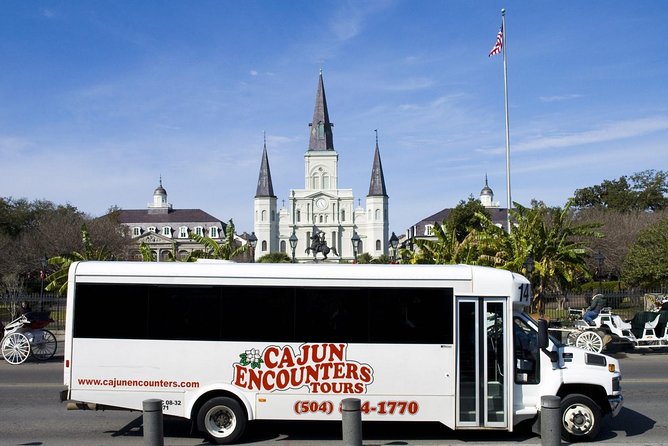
(252,241)
(44,262)
(599,268)
(394,244)
(356,244)
(293,244)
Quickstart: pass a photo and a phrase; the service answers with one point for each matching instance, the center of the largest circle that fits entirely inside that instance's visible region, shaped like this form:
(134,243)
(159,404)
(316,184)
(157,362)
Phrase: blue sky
(100,98)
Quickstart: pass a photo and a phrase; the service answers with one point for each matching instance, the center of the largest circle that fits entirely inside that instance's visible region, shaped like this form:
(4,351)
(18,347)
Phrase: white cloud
(564,97)
(608,132)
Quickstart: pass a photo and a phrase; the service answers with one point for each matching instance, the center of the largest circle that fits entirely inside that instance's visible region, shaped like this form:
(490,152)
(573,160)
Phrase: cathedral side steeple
(265,223)
(377,184)
(321,128)
(265,188)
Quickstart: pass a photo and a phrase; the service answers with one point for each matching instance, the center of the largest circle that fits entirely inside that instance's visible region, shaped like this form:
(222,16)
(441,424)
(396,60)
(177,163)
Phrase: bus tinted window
(332,315)
(184,313)
(411,316)
(258,314)
(111,311)
(272,314)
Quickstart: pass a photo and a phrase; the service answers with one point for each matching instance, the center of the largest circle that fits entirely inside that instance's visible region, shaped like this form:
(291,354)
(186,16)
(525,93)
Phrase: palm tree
(226,250)
(446,249)
(555,245)
(57,281)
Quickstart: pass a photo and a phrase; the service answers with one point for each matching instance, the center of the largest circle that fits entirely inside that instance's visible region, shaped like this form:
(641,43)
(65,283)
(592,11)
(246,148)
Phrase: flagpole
(505,88)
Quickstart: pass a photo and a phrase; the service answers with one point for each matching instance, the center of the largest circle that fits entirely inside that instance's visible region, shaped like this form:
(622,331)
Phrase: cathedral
(321,214)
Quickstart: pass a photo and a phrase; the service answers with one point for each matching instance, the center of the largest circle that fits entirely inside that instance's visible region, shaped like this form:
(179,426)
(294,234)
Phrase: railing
(10,306)
(623,303)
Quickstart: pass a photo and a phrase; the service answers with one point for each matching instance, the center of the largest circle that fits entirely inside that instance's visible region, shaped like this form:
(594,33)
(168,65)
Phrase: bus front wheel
(222,419)
(580,418)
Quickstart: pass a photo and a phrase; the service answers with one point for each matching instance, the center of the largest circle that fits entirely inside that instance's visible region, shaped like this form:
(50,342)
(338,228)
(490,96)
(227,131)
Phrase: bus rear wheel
(222,419)
(580,418)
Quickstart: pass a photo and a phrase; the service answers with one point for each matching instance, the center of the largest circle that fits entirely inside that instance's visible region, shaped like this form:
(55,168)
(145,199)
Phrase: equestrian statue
(318,244)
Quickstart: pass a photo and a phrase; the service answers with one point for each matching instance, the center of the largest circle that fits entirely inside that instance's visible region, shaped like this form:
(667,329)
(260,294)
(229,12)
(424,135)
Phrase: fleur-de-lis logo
(251,357)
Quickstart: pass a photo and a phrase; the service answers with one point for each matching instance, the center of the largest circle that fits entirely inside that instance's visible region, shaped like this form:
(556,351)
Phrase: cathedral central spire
(321,128)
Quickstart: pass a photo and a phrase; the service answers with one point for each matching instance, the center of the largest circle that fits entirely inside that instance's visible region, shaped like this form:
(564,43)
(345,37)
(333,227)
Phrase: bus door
(482,379)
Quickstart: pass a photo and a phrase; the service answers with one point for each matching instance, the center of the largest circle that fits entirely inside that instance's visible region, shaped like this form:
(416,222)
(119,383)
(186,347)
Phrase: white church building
(321,208)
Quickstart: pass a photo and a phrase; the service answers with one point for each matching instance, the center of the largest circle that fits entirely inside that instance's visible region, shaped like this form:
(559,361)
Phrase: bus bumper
(616,403)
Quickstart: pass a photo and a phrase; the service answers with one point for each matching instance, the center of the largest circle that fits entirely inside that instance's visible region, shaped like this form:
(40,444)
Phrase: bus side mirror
(543,340)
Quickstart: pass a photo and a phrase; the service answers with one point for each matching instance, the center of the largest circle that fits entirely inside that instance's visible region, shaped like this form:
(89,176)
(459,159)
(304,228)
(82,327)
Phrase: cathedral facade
(321,212)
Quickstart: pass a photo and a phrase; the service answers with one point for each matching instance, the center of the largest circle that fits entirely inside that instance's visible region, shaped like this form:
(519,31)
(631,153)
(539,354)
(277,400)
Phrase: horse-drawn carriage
(25,336)
(647,330)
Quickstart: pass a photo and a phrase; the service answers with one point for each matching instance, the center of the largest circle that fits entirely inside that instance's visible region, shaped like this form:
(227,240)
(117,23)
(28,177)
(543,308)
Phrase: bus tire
(580,418)
(222,420)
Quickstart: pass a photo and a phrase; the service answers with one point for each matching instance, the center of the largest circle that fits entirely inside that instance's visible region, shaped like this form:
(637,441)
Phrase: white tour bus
(224,343)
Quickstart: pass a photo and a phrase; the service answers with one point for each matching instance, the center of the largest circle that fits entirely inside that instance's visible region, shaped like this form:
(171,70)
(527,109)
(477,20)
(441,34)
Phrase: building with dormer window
(166,230)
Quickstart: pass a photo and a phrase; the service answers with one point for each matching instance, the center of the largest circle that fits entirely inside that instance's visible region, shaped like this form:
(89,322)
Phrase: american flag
(499,43)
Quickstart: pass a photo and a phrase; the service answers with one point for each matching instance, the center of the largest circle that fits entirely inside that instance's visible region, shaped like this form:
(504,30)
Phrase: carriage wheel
(46,348)
(590,340)
(572,337)
(15,348)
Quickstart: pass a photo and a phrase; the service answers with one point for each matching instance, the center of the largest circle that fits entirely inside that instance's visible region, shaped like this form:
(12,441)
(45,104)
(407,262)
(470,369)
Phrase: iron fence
(624,303)
(10,307)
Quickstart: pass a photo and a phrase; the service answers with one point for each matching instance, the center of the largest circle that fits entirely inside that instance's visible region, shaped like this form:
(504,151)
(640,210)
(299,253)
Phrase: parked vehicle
(223,344)
(25,336)
(646,330)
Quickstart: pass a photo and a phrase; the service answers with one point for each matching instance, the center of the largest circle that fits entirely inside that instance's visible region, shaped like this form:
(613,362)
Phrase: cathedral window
(299,216)
(315,181)
(378,245)
(282,245)
(377,217)
(343,215)
(264,245)
(264,215)
(325,181)
(273,215)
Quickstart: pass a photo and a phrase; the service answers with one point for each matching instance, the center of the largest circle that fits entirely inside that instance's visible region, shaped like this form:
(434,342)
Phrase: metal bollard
(550,420)
(153,434)
(352,421)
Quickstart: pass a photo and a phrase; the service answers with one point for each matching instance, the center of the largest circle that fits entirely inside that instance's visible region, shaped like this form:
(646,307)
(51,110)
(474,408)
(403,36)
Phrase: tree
(646,263)
(226,250)
(465,217)
(620,231)
(57,281)
(446,249)
(555,243)
(275,257)
(642,191)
